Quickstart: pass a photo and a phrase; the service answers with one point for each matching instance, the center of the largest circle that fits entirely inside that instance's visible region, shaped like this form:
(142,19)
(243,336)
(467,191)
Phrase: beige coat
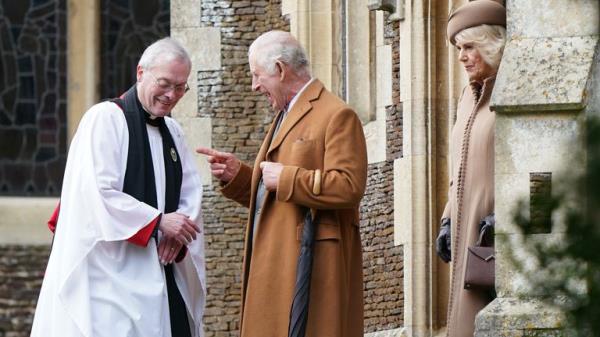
(470,199)
(320,132)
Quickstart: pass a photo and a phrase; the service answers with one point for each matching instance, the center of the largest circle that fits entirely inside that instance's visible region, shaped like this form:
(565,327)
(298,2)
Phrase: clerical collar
(147,117)
(152,121)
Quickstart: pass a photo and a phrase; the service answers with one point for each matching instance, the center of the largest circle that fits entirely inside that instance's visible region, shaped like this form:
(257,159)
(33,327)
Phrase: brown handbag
(480,267)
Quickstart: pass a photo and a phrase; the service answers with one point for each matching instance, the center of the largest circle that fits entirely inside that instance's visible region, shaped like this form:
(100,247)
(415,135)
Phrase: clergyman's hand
(223,165)
(270,174)
(179,227)
(168,249)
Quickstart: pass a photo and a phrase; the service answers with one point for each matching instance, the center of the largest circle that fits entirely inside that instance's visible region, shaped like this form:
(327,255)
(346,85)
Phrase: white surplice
(96,282)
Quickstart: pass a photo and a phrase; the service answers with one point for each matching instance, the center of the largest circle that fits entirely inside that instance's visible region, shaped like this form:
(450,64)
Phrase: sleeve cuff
(238,186)
(54,218)
(285,186)
(142,237)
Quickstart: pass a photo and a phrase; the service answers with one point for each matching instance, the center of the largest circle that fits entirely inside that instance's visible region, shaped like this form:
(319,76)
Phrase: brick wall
(21,272)
(383,264)
(391,36)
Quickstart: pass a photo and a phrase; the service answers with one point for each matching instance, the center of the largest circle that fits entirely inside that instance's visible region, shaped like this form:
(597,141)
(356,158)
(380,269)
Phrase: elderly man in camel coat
(313,157)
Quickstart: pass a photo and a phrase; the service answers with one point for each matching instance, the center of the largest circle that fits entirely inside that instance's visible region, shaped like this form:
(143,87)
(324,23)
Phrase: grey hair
(489,41)
(280,46)
(167,48)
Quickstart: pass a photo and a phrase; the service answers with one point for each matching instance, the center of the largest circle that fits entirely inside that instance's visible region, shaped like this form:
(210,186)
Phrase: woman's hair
(280,46)
(167,48)
(489,41)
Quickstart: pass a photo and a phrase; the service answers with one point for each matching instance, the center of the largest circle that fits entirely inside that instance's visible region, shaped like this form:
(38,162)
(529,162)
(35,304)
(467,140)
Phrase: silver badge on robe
(173,154)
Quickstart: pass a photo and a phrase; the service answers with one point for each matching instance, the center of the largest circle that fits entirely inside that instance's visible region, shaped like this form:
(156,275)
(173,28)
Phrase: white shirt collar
(295,98)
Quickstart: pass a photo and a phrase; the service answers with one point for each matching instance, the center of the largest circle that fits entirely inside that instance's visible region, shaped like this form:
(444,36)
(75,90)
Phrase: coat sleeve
(142,237)
(238,189)
(341,183)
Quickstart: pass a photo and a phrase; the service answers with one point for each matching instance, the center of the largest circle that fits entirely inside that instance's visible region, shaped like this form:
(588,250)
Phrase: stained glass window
(128,27)
(33,123)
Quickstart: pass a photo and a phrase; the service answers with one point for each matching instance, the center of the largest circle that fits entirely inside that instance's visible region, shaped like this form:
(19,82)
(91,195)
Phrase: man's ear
(280,66)
(138,73)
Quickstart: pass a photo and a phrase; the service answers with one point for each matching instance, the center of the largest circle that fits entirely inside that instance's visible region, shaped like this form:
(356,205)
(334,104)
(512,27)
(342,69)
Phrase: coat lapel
(302,106)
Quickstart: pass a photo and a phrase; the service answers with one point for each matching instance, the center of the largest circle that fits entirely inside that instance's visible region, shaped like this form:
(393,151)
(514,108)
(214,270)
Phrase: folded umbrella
(299,311)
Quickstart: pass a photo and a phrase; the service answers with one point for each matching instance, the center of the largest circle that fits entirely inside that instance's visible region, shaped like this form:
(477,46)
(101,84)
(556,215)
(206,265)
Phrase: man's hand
(178,227)
(223,165)
(168,249)
(270,173)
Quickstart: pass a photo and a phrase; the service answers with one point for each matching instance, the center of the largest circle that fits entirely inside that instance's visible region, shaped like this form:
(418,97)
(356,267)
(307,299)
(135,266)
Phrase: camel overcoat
(470,197)
(320,132)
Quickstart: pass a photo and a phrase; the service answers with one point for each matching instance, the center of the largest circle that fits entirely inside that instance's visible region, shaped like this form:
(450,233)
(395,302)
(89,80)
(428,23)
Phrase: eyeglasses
(163,84)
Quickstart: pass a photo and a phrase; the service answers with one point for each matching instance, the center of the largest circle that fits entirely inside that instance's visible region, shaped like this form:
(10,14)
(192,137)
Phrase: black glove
(486,231)
(443,241)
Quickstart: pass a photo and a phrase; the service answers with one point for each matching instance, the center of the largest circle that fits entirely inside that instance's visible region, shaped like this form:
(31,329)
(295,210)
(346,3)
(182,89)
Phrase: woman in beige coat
(477,30)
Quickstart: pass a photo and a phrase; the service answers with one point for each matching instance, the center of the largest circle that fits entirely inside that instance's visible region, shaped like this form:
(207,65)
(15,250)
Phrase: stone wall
(21,272)
(240,119)
(541,114)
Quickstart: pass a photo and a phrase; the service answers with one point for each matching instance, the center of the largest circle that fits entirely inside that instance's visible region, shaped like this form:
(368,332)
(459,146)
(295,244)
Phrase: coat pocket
(302,154)
(303,144)
(325,231)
